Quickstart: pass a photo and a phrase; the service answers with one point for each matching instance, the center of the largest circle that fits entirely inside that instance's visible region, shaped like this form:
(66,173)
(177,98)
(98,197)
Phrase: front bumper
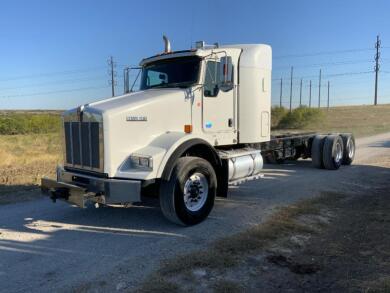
(78,189)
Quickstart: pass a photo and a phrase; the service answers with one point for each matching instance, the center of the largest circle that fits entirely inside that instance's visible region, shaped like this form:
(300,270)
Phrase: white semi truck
(200,122)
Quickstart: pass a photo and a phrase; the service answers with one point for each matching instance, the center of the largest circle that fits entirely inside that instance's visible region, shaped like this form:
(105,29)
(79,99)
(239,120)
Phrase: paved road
(46,246)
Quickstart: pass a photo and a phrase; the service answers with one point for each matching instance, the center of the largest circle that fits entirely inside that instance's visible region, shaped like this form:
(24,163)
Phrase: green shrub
(24,123)
(277,113)
(301,117)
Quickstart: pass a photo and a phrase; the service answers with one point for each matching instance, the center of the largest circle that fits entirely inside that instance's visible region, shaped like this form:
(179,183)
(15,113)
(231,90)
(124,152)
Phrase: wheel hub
(195,192)
(339,152)
(351,148)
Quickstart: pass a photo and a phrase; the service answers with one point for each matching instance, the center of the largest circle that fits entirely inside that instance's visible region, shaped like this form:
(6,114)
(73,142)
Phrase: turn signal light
(187,128)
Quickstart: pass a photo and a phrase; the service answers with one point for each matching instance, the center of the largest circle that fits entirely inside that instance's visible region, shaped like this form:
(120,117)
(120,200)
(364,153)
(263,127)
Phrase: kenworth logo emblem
(136,118)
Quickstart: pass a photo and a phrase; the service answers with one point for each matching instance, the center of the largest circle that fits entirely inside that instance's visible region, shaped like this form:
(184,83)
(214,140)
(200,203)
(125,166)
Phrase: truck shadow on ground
(41,228)
(12,193)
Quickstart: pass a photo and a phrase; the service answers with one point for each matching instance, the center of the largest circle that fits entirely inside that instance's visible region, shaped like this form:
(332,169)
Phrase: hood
(135,100)
(132,121)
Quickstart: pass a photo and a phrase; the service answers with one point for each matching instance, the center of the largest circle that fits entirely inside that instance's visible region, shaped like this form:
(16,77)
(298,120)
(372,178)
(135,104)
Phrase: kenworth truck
(199,122)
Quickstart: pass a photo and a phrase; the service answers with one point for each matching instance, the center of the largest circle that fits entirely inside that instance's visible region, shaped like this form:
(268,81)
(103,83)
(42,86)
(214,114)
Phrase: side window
(211,79)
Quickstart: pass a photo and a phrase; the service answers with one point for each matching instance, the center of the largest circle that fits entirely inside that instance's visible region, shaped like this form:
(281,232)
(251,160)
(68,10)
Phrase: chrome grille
(84,145)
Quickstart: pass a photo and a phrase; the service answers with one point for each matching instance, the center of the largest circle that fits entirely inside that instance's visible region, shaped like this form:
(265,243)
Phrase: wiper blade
(176,84)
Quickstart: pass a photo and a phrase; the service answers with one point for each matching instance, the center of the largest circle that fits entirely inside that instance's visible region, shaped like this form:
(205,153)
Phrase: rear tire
(317,150)
(349,148)
(333,152)
(187,198)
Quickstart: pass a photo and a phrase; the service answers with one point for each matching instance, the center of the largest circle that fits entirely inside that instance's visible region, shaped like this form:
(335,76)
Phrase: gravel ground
(46,247)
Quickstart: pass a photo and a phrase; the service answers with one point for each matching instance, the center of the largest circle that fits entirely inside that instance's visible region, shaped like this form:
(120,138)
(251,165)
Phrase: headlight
(139,161)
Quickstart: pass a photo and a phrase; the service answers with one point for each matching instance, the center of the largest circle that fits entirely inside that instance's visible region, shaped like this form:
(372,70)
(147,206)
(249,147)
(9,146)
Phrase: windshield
(175,72)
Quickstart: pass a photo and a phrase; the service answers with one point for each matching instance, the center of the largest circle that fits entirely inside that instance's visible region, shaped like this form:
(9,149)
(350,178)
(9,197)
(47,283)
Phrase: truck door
(219,105)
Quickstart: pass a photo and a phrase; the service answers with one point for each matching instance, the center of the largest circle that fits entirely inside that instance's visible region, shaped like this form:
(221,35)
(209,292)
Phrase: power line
(51,74)
(326,64)
(323,53)
(334,74)
(52,92)
(348,73)
(53,82)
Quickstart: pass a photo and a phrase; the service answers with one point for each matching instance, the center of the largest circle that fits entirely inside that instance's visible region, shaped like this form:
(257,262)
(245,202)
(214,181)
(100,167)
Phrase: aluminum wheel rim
(196,190)
(351,148)
(339,152)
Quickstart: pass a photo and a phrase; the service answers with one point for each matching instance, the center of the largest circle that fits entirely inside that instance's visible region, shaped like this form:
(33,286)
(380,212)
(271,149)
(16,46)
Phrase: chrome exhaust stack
(167,45)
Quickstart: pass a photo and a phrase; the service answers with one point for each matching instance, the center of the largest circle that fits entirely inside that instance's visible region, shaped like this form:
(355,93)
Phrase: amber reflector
(187,128)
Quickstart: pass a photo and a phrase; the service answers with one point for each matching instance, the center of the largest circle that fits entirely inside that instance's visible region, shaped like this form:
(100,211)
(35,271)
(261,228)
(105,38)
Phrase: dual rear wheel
(332,151)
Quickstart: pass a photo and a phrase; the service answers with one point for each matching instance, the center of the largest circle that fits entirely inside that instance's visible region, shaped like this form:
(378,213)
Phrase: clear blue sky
(52,46)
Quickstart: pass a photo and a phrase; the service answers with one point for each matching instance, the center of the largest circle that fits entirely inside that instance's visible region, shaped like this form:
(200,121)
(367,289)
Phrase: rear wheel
(349,148)
(333,152)
(187,198)
(317,150)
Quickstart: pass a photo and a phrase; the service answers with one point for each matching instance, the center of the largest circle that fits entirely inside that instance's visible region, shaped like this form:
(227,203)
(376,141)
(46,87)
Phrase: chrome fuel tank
(243,163)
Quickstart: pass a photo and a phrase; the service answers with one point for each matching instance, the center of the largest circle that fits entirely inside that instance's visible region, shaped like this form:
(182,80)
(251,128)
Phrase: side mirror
(163,77)
(226,74)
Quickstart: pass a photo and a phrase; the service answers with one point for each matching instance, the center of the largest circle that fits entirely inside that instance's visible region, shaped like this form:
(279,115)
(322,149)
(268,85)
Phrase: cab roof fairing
(252,56)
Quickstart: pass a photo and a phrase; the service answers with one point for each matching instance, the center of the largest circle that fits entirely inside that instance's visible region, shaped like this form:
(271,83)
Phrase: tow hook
(59,193)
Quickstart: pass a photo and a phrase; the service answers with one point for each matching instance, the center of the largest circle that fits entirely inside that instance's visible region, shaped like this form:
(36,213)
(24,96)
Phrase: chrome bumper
(78,189)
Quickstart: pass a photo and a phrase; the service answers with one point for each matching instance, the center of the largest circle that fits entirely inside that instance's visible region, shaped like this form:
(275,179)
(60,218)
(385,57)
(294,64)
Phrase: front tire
(187,198)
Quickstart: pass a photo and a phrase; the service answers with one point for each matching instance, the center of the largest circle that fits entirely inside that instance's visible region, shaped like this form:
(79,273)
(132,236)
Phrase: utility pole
(281,92)
(377,56)
(126,80)
(319,90)
(291,85)
(310,94)
(328,94)
(300,94)
(112,73)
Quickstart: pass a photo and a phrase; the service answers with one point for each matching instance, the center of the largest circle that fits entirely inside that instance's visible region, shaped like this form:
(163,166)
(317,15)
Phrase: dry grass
(360,120)
(31,149)
(381,285)
(230,251)
(24,159)
(157,284)
(227,286)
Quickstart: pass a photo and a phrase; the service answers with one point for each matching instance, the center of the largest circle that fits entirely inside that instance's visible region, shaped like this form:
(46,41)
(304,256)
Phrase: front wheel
(187,198)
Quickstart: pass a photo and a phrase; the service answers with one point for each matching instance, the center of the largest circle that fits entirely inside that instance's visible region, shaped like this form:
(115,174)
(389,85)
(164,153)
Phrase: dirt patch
(335,243)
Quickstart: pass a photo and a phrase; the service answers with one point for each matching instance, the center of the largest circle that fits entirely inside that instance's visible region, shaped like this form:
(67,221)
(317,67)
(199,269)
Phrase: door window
(212,79)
